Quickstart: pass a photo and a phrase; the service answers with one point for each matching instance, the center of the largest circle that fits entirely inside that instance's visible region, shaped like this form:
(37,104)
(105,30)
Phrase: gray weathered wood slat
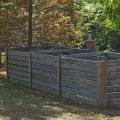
(113,95)
(113,69)
(19,68)
(44,73)
(44,88)
(113,76)
(45,62)
(80,55)
(54,50)
(84,76)
(18,58)
(64,51)
(20,53)
(81,73)
(86,81)
(114,102)
(80,68)
(77,86)
(45,83)
(44,67)
(21,73)
(113,55)
(18,81)
(86,57)
(44,56)
(113,63)
(38,76)
(77,62)
(112,82)
(80,99)
(20,78)
(114,88)
(75,91)
(13,62)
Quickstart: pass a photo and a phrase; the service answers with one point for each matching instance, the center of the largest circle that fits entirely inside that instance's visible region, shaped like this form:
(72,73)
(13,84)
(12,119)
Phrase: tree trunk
(0,59)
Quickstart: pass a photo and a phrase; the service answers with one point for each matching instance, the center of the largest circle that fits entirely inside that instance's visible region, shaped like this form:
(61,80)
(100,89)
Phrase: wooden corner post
(102,84)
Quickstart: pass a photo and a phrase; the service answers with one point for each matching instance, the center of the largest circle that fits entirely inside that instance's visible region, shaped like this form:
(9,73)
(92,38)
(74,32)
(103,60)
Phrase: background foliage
(62,22)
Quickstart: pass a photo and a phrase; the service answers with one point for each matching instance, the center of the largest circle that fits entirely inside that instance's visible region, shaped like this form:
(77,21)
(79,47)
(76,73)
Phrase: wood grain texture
(44,73)
(18,53)
(18,77)
(79,81)
(80,87)
(21,63)
(18,58)
(18,68)
(21,73)
(102,78)
(113,88)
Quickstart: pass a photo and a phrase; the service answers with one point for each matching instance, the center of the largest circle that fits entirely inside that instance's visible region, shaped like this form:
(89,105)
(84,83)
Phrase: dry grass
(17,102)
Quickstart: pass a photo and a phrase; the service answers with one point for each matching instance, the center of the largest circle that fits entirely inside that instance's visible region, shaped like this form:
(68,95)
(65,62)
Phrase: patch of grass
(18,102)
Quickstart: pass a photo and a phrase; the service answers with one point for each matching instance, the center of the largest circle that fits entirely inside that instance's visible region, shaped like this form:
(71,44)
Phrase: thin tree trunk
(0,59)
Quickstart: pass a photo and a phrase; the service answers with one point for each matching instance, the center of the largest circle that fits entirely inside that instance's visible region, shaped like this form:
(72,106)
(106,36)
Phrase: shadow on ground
(17,102)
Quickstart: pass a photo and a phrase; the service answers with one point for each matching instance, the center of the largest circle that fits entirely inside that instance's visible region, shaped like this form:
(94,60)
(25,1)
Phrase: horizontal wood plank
(15,72)
(79,87)
(113,88)
(19,78)
(45,62)
(20,53)
(113,95)
(18,58)
(77,62)
(44,67)
(113,63)
(44,73)
(48,78)
(80,73)
(13,62)
(84,81)
(18,68)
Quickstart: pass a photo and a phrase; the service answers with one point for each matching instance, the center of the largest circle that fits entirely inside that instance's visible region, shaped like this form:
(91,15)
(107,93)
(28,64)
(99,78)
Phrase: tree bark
(0,59)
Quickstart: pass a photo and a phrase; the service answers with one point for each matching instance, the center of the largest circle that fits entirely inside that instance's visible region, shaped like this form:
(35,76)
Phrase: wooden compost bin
(38,68)
(87,77)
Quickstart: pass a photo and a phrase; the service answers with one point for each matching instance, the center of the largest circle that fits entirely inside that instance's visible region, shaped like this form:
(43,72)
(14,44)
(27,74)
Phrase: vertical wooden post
(6,64)
(30,69)
(102,84)
(59,74)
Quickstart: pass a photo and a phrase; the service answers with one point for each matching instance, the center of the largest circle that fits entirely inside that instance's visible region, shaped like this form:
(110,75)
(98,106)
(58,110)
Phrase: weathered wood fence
(89,78)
